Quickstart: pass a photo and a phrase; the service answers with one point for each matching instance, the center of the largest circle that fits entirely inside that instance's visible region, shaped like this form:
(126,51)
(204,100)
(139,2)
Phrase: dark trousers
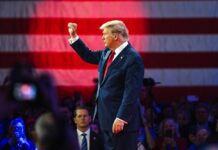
(120,141)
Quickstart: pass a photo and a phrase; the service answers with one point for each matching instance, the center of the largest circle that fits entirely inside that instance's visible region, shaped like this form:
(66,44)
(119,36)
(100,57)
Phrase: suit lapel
(115,62)
(103,65)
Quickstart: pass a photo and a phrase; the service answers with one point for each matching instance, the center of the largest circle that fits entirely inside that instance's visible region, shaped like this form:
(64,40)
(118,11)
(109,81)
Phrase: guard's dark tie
(109,61)
(84,142)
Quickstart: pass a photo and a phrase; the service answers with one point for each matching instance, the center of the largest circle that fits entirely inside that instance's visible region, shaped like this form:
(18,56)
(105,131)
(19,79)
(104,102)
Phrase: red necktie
(109,61)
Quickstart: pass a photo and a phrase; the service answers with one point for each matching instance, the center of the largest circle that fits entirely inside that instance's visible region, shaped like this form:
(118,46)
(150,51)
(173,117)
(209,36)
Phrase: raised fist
(72,27)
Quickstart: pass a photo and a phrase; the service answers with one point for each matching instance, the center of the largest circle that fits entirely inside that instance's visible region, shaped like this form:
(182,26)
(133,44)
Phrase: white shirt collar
(119,49)
(80,132)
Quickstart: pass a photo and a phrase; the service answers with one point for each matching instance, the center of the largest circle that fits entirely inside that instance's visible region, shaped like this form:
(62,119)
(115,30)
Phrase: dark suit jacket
(96,143)
(118,92)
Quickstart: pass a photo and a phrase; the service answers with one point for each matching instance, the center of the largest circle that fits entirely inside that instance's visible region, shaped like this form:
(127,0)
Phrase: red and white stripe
(178,41)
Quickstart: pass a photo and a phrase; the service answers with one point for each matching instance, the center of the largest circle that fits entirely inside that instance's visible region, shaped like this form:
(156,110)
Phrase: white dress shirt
(80,137)
(119,49)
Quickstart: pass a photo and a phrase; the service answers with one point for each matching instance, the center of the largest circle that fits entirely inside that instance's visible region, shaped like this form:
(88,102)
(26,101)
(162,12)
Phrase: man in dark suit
(87,139)
(120,76)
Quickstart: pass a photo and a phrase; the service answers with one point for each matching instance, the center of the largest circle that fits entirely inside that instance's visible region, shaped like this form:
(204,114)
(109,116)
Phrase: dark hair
(17,120)
(81,107)
(56,132)
(13,123)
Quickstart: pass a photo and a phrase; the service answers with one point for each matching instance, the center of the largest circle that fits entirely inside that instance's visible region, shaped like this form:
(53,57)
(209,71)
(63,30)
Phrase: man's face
(82,118)
(108,38)
(169,125)
(202,135)
(18,130)
(181,119)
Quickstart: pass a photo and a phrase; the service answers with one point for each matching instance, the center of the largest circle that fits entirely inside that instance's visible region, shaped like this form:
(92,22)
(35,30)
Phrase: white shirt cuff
(73,40)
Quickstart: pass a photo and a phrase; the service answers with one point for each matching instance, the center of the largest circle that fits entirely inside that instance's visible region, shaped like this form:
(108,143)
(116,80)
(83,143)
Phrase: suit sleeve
(133,82)
(85,53)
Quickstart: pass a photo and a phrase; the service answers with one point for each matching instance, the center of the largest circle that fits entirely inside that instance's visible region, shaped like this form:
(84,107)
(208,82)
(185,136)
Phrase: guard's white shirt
(80,137)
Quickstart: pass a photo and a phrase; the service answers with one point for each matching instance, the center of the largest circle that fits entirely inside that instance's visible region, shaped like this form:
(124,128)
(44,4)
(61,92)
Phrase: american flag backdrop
(178,40)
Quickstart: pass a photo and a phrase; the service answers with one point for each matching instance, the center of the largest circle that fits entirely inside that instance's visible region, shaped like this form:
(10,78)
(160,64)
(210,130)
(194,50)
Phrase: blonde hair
(117,26)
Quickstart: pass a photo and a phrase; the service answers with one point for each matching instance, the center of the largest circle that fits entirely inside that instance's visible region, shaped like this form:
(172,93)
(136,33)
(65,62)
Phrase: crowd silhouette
(32,116)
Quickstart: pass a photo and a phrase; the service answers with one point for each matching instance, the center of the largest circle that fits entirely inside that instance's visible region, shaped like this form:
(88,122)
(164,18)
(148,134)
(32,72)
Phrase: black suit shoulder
(96,143)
